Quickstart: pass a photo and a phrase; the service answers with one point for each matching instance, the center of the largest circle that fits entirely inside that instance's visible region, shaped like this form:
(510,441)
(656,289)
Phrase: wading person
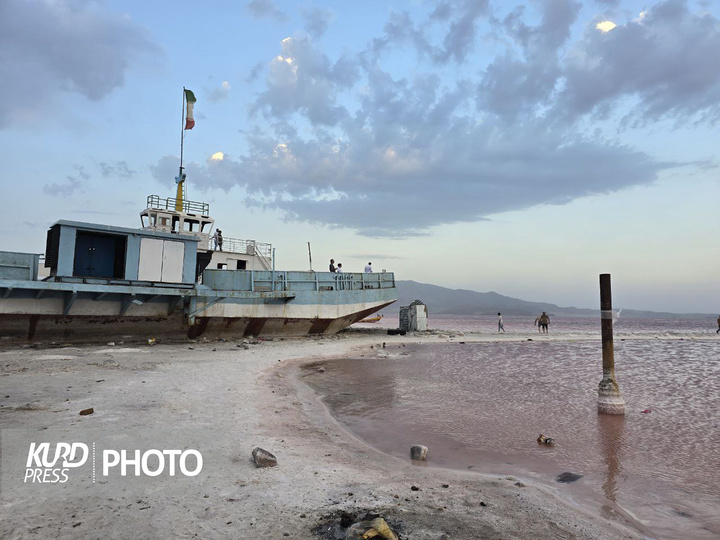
(544,321)
(718,330)
(501,328)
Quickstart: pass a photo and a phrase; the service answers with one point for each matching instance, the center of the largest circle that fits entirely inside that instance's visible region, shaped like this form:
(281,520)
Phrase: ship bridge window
(205,226)
(175,221)
(191,225)
(144,220)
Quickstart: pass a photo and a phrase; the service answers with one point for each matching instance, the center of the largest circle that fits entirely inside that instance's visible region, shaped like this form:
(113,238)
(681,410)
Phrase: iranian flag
(189,119)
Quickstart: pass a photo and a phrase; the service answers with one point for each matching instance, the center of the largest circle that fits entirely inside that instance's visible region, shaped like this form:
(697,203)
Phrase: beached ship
(168,280)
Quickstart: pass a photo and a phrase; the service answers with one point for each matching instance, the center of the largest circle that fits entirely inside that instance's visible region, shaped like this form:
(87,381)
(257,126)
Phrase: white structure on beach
(413,318)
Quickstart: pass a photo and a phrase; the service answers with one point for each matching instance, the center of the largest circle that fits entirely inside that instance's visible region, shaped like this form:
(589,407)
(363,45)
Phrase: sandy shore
(224,400)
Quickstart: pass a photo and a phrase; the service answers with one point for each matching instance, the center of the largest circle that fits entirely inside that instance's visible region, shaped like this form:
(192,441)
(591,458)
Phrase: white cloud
(55,47)
(266,8)
(348,142)
(220,93)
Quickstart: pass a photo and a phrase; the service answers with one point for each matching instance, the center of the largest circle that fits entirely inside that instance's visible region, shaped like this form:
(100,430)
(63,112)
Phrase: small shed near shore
(413,318)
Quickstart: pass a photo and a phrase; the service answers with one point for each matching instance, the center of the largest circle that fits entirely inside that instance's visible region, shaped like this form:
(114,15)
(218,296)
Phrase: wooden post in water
(609,399)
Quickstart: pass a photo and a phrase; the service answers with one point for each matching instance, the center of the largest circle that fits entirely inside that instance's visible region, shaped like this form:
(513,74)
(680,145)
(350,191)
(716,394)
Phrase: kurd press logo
(59,462)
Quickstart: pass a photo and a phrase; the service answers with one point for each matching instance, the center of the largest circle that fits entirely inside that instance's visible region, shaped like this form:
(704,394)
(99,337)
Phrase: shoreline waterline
(363,412)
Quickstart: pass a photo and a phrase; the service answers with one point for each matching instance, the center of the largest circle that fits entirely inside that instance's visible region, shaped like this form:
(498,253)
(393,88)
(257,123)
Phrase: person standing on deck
(368,268)
(332,265)
(339,268)
(501,328)
(544,321)
(217,238)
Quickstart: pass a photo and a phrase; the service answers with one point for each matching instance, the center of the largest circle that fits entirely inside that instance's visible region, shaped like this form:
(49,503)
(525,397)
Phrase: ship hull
(86,311)
(25,328)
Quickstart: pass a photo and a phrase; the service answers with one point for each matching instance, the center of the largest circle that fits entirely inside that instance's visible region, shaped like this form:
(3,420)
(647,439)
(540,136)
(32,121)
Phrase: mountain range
(441,300)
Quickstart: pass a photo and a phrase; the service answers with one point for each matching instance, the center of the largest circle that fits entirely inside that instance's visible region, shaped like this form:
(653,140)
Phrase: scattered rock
(483,503)
(263,458)
(519,484)
(111,343)
(85,412)
(418,452)
(414,488)
(446,486)
(568,477)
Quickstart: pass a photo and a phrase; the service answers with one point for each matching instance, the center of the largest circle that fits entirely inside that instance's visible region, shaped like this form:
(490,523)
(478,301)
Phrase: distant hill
(441,300)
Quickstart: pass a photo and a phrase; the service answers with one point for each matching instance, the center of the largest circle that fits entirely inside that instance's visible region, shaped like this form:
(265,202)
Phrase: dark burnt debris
(335,526)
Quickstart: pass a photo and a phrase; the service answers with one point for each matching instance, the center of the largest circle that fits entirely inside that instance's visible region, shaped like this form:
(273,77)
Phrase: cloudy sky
(520,147)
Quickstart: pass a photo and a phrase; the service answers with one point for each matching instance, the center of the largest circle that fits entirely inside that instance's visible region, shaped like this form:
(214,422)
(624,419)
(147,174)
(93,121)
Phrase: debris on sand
(263,458)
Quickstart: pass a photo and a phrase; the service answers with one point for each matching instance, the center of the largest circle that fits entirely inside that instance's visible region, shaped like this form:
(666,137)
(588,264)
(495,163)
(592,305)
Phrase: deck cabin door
(98,255)
(173,261)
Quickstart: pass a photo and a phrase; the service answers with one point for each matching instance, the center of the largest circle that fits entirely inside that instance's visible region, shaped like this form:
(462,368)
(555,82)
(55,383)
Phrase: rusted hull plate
(102,329)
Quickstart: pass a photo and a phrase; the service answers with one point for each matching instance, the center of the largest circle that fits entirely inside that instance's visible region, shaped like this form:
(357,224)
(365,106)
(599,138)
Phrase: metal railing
(168,203)
(266,281)
(245,247)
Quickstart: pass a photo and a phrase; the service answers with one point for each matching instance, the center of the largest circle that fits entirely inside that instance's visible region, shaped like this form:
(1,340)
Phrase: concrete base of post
(609,399)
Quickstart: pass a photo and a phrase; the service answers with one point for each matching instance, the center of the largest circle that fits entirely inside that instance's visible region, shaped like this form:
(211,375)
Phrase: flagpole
(182,130)
(180,180)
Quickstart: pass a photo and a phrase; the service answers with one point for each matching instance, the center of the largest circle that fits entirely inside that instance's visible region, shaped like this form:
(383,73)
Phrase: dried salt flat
(123,350)
(56,357)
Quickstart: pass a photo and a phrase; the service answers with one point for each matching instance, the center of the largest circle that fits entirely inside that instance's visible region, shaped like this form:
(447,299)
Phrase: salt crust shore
(243,399)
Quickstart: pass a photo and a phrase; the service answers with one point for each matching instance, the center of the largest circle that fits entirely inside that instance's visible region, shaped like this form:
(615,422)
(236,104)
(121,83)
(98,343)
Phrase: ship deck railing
(275,281)
(246,247)
(169,203)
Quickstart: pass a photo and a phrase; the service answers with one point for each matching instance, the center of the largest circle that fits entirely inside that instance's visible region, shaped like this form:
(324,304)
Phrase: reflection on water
(482,406)
(610,429)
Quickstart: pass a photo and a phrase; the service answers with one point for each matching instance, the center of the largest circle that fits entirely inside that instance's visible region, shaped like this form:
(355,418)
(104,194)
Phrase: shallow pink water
(482,406)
